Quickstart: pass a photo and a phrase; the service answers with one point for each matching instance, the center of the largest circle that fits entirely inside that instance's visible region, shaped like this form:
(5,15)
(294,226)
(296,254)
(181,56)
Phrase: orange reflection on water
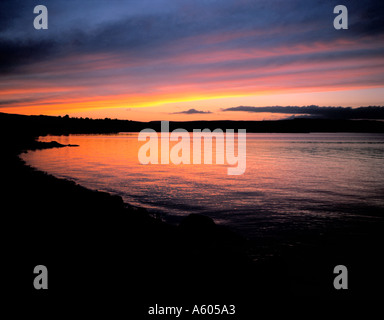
(288,176)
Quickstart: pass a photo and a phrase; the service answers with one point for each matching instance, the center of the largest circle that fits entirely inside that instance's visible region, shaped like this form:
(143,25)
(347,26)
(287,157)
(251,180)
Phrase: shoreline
(197,233)
(92,228)
(90,240)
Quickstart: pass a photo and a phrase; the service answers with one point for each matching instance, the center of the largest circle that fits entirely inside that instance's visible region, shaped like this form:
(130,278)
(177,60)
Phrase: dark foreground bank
(94,244)
(96,247)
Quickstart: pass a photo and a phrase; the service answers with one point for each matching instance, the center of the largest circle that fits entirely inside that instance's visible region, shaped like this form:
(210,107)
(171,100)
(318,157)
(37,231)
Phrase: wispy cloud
(372,112)
(192,111)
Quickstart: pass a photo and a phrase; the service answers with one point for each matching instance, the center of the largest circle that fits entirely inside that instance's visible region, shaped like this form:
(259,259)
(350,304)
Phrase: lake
(291,181)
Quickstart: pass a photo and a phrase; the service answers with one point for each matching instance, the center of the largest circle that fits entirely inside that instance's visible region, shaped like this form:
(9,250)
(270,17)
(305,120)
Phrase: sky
(190,59)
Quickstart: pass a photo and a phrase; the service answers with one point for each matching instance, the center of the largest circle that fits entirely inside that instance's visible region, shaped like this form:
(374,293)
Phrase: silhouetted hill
(281,126)
(33,126)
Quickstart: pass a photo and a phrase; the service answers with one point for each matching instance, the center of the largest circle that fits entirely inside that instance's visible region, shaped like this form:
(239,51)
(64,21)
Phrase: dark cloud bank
(192,111)
(371,112)
(150,34)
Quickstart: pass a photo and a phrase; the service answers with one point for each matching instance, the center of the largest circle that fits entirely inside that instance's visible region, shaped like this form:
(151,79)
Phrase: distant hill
(33,126)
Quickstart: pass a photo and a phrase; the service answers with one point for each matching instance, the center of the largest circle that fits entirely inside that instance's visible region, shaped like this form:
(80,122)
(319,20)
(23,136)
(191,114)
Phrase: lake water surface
(295,180)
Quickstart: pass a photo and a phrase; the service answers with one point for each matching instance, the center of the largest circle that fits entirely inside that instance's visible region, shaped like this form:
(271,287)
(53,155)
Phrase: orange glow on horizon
(142,102)
(71,93)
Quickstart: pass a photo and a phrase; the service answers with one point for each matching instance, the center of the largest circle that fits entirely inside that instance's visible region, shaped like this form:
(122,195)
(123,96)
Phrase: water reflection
(288,176)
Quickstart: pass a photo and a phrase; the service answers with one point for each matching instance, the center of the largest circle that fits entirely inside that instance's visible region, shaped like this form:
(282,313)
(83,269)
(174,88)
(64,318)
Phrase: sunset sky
(188,59)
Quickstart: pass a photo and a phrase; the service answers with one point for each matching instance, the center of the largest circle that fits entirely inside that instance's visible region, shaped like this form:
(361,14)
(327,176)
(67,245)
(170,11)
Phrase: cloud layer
(373,112)
(102,54)
(192,111)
